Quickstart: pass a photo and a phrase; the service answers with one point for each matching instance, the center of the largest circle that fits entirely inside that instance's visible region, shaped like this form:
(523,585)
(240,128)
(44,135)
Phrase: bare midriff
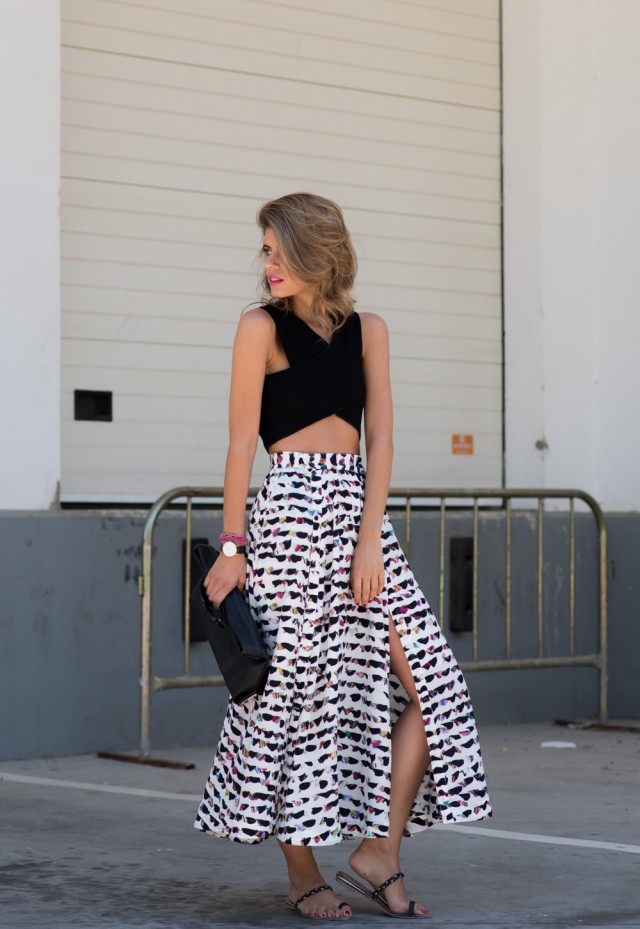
(330,434)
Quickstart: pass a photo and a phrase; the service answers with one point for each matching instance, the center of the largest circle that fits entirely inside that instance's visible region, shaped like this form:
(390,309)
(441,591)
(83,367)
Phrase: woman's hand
(367,570)
(226,573)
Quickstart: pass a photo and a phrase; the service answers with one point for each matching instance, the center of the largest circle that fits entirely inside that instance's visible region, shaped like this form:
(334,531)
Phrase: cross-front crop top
(322,378)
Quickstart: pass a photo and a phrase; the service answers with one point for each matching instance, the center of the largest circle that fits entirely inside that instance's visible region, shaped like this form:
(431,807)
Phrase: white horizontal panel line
(139,368)
(273,125)
(445,9)
(208,294)
(143,421)
(468,384)
(149,317)
(422,241)
(457,412)
(68,204)
(348,185)
(142,446)
(389,117)
(309,33)
(355,66)
(395,356)
(445,314)
(208,398)
(138,186)
(235,249)
(129,211)
(198,243)
(448,361)
(69,228)
(333,159)
(292,80)
(169,293)
(383,22)
(192,269)
(243,274)
(476,340)
(103,340)
(252,199)
(313,32)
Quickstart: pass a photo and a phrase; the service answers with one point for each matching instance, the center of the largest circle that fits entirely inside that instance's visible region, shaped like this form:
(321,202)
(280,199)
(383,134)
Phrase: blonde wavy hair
(316,246)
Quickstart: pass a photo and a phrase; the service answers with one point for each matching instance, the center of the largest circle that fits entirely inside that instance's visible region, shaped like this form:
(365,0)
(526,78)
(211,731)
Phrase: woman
(365,729)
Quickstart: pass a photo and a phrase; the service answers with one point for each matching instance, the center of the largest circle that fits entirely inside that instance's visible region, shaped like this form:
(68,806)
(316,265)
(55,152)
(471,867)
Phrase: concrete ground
(101,844)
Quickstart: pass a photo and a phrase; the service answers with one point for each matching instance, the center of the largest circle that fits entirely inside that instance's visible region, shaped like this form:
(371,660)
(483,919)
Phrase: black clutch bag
(232,633)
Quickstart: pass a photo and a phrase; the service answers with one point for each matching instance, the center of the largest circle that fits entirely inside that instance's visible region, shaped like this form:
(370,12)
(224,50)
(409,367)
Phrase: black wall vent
(94,405)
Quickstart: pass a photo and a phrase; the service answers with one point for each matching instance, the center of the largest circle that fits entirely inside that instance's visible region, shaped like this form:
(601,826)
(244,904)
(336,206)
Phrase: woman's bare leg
(378,859)
(303,876)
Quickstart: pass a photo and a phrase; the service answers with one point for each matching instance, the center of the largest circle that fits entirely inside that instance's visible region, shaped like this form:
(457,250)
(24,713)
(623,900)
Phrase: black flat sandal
(310,893)
(377,895)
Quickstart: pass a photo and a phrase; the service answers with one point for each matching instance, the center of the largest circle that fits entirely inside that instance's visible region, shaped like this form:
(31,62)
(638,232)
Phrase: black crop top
(322,378)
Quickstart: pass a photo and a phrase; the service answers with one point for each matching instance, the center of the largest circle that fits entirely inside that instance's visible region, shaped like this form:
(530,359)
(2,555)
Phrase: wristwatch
(230,549)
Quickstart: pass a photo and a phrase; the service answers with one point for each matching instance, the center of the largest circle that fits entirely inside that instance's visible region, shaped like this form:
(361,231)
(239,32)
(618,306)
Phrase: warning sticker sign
(461,444)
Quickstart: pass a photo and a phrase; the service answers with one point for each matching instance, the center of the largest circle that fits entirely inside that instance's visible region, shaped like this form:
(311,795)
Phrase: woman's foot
(323,905)
(373,862)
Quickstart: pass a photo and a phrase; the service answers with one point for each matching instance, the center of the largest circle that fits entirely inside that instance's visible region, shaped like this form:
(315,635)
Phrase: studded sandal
(310,893)
(377,895)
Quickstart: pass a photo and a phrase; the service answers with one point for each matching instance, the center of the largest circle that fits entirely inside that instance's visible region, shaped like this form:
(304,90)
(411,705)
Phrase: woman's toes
(318,909)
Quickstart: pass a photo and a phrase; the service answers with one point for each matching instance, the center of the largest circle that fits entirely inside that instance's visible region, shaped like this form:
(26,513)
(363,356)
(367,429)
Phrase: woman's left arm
(367,565)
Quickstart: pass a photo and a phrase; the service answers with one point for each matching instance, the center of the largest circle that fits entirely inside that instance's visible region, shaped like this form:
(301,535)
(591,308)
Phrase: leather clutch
(232,633)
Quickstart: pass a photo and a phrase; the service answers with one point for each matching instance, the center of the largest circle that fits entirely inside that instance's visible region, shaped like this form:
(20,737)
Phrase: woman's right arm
(251,348)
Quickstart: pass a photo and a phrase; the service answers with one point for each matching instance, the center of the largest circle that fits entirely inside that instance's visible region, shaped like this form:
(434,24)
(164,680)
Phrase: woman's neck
(301,305)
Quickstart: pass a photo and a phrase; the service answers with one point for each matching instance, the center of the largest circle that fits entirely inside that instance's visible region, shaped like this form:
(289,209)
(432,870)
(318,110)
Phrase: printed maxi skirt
(309,760)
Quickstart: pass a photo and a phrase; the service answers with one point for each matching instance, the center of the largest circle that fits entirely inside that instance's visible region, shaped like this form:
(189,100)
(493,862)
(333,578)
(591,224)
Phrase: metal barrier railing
(150,683)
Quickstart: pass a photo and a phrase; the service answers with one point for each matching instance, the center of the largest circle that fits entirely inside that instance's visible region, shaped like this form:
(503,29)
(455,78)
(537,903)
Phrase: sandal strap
(412,908)
(390,880)
(310,893)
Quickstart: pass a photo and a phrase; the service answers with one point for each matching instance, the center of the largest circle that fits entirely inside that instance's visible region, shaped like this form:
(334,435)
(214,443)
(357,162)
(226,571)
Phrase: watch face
(229,548)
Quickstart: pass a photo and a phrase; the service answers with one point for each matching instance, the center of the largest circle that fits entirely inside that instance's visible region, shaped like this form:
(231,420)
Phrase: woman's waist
(316,461)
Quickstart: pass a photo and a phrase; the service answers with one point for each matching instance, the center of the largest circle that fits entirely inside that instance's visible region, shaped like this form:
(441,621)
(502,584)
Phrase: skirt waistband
(317,461)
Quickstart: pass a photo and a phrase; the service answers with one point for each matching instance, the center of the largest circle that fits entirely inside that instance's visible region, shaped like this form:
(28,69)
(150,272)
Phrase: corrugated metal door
(179,118)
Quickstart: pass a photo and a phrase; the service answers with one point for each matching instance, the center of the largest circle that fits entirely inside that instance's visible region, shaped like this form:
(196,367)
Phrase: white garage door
(179,118)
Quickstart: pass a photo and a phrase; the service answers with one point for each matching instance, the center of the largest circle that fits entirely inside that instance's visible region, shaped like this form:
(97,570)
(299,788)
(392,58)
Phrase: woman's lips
(275,280)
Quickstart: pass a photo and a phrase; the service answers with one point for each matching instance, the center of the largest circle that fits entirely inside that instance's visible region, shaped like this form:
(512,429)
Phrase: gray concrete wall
(70,626)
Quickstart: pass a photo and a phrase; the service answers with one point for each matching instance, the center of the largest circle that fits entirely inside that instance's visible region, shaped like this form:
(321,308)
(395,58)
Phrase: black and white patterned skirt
(309,761)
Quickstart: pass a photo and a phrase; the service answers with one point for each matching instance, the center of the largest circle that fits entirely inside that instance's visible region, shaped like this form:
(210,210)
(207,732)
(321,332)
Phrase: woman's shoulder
(372,320)
(255,326)
(373,326)
(256,318)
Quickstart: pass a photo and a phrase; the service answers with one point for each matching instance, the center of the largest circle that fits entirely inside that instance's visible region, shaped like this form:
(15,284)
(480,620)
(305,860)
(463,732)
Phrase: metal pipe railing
(150,683)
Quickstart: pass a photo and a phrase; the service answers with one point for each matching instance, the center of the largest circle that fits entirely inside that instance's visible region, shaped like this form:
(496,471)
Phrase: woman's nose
(270,260)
